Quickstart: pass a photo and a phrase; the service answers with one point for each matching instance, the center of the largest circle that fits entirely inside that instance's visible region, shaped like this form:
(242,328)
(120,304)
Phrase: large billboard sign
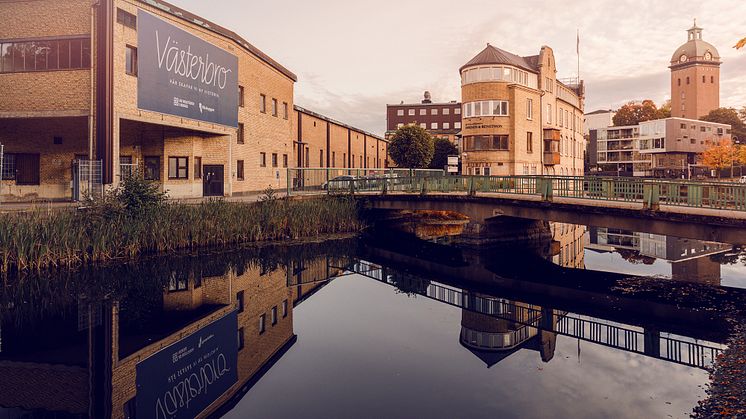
(180,74)
(183,379)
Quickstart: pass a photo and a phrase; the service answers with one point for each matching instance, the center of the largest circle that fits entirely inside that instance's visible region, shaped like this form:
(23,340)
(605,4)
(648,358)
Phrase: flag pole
(577,48)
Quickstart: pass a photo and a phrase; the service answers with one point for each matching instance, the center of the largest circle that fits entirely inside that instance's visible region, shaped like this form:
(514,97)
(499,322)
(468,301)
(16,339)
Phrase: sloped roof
(197,20)
(493,55)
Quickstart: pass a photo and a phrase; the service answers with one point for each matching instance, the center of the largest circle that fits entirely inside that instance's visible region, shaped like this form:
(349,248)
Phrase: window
(152,168)
(457,125)
(274,160)
(530,142)
(457,111)
(334,159)
(410,112)
(702,129)
(240,301)
(263,103)
(262,159)
(361,161)
(399,126)
(446,125)
(308,158)
(57,140)
(285,114)
(687,79)
(241,134)
(240,338)
(127,19)
(45,55)
(239,170)
(434,125)
(178,167)
(423,112)
(284,160)
(486,142)
(559,116)
(693,141)
(241,102)
(486,108)
(423,125)
(321,158)
(529,109)
(682,126)
(284,309)
(433,111)
(24,168)
(274,107)
(198,167)
(400,112)
(477,171)
(678,82)
(274,315)
(712,79)
(446,111)
(9,167)
(262,323)
(130,64)
(344,159)
(549,113)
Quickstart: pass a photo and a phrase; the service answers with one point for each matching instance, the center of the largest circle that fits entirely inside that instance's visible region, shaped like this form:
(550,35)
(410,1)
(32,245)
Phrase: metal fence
(332,179)
(650,192)
(87,179)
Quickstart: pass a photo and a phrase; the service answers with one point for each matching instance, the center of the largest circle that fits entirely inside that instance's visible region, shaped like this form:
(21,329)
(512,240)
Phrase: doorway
(213,177)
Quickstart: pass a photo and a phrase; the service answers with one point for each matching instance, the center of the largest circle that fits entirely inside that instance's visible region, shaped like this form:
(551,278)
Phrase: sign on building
(183,379)
(180,74)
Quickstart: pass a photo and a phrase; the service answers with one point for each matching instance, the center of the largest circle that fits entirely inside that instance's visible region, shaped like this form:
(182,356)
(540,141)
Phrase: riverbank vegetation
(136,219)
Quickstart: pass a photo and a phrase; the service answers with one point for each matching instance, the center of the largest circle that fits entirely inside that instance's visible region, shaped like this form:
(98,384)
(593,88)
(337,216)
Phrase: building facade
(695,77)
(441,120)
(518,118)
(660,148)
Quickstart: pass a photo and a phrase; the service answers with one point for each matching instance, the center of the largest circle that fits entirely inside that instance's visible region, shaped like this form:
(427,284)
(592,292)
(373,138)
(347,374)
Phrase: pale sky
(353,57)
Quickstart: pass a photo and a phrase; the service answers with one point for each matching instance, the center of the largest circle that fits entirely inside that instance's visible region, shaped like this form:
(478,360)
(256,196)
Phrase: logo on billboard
(201,78)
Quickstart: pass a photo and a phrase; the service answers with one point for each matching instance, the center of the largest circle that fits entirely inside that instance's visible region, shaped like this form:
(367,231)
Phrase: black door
(213,180)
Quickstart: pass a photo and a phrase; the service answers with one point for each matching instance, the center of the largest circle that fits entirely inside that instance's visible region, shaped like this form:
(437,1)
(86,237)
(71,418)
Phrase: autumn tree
(665,110)
(635,112)
(443,149)
(741,44)
(721,155)
(411,147)
(728,116)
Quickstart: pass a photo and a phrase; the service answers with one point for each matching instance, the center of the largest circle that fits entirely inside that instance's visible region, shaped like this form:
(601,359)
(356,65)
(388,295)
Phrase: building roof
(600,111)
(493,55)
(197,20)
(695,48)
(452,103)
(334,121)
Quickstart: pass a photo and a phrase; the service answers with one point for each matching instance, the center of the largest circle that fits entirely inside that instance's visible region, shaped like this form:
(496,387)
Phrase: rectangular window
(262,323)
(178,167)
(239,170)
(477,171)
(457,125)
(198,167)
(529,109)
(9,167)
(457,111)
(263,103)
(274,107)
(241,102)
(423,112)
(434,125)
(152,168)
(549,113)
(44,55)
(240,301)
(530,142)
(486,142)
(284,160)
(285,114)
(410,112)
(274,159)
(433,111)
(446,125)
(446,111)
(400,112)
(127,19)
(321,158)
(284,309)
(423,125)
(262,159)
(308,158)
(240,338)
(399,125)
(130,66)
(240,134)
(274,315)
(334,159)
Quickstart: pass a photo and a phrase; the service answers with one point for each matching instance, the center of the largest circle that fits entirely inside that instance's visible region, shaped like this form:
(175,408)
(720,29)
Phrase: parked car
(338,183)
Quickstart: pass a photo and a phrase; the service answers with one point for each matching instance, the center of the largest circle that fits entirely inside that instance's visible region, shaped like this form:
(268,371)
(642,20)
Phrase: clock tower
(695,77)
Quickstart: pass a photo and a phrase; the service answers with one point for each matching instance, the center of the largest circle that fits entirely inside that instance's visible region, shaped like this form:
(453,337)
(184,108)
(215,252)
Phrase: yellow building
(518,118)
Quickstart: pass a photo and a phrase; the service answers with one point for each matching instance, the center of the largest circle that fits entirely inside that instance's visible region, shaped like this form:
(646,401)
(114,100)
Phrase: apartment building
(440,119)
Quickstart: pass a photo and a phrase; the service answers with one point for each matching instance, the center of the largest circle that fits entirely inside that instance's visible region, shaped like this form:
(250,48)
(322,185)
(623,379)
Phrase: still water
(590,323)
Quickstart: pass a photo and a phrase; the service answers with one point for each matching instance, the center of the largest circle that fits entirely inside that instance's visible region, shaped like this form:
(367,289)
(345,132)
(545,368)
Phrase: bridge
(712,211)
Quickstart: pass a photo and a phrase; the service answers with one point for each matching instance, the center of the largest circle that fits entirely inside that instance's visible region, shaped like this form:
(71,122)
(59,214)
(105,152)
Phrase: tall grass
(69,238)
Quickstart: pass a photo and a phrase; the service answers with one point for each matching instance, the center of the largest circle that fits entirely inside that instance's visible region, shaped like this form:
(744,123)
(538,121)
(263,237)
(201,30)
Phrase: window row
(263,160)
(434,125)
(433,111)
(263,105)
(486,142)
(504,74)
(273,317)
(45,55)
(486,108)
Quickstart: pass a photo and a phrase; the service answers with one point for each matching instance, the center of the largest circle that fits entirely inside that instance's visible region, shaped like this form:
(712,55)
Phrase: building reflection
(689,259)
(84,356)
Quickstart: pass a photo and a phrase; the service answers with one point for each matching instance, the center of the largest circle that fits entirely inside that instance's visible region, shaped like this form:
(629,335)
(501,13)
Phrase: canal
(584,322)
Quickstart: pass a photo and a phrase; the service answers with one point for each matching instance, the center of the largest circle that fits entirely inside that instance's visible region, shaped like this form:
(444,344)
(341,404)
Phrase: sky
(354,57)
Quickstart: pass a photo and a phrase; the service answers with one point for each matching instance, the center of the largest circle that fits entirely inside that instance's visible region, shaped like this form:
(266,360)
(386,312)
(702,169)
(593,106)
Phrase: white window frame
(433,125)
(529,109)
(410,112)
(400,112)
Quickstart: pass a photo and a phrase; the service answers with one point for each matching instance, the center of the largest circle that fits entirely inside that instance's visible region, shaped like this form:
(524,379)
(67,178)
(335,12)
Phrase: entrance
(213,180)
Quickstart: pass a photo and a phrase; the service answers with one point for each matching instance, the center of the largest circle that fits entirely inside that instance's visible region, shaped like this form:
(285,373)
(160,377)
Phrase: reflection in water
(192,336)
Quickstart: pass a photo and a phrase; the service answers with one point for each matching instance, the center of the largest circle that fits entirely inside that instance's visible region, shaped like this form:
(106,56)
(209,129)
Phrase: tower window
(687,79)
(703,79)
(712,79)
(679,82)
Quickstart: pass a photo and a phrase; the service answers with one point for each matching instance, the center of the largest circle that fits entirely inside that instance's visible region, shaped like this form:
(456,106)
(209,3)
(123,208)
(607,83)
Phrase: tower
(695,77)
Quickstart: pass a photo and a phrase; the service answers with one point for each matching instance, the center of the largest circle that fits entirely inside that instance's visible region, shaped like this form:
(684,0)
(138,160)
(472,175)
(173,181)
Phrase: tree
(635,112)
(665,110)
(721,155)
(411,147)
(741,44)
(443,149)
(728,116)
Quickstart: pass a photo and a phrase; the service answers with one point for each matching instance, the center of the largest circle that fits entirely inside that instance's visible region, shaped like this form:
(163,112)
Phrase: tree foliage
(412,147)
(741,44)
(665,110)
(721,155)
(443,149)
(730,117)
(635,112)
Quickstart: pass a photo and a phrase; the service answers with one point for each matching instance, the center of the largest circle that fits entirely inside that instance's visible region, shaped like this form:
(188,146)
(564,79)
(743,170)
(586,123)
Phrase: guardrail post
(287,185)
(423,188)
(547,190)
(385,186)
(471,186)
(651,197)
(607,185)
(352,187)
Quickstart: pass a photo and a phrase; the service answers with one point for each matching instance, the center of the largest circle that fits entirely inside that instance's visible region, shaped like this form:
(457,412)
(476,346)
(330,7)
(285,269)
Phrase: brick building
(518,118)
(217,120)
(695,77)
(441,120)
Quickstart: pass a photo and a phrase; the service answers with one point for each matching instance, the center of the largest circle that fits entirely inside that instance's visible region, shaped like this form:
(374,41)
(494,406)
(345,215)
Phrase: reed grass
(70,238)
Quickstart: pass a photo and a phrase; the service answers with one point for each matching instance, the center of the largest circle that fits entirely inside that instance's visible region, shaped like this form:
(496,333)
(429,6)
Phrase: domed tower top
(695,50)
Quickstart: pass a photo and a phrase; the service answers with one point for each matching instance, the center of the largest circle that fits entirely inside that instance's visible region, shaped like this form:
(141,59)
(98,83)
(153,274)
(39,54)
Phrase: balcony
(551,158)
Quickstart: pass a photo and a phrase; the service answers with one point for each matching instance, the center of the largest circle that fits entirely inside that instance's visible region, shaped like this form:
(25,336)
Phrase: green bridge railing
(650,192)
